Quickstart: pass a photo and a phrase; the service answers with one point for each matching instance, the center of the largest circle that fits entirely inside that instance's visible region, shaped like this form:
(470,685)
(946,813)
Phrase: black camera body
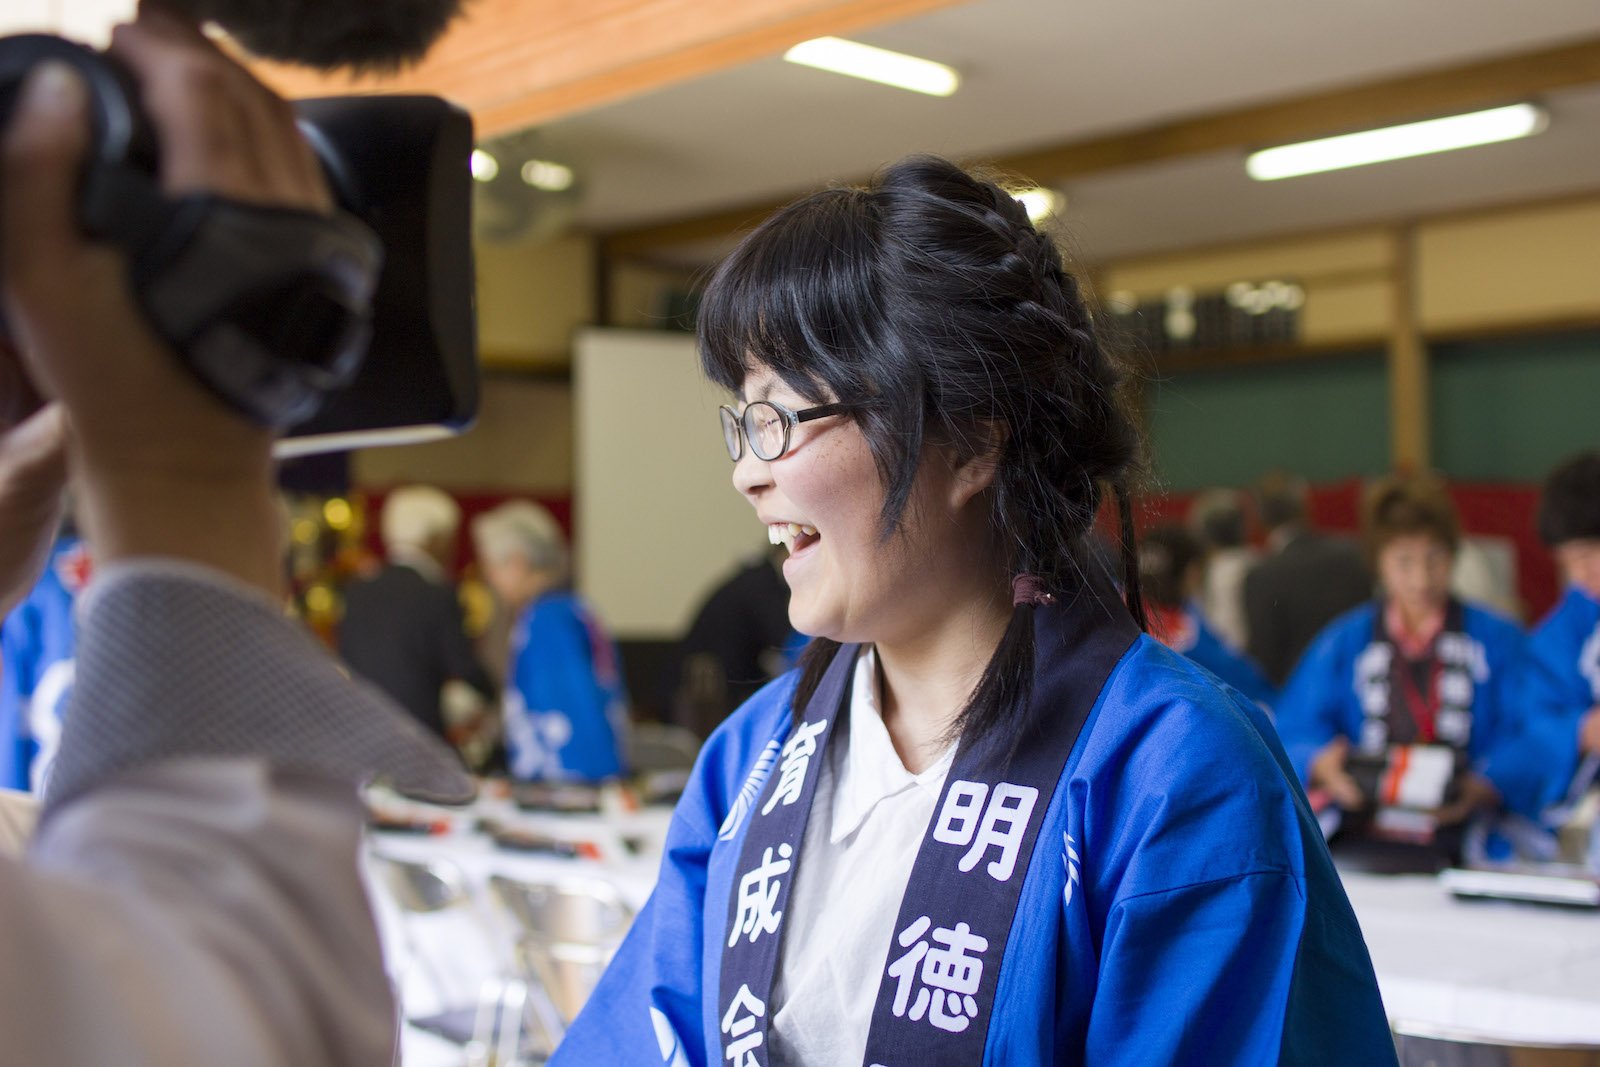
(345,331)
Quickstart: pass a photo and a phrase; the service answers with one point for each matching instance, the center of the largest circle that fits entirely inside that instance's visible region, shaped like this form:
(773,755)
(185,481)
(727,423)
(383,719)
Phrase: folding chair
(569,930)
(496,1016)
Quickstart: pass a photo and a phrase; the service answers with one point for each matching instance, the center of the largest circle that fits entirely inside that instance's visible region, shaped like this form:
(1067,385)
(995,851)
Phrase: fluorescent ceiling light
(875,65)
(1396,142)
(551,177)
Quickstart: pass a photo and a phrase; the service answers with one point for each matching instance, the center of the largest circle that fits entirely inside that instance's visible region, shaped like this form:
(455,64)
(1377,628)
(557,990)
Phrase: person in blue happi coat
(1558,682)
(986,820)
(566,709)
(1171,562)
(1399,714)
(37,644)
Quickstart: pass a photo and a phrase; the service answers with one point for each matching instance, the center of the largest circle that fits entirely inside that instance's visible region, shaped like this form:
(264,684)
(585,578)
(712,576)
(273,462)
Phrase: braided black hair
(929,302)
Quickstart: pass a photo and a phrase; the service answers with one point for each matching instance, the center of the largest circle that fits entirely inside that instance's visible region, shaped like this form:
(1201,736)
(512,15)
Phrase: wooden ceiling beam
(518,63)
(1482,84)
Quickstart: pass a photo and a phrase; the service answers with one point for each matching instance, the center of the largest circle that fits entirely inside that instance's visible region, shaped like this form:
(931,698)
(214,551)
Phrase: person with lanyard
(1171,575)
(986,820)
(1558,681)
(1398,717)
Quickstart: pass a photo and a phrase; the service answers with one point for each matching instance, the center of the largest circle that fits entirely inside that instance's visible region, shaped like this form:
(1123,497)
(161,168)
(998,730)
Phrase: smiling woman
(1029,833)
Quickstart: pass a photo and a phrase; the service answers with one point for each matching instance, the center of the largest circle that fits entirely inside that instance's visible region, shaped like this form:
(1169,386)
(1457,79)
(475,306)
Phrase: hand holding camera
(165,467)
(161,180)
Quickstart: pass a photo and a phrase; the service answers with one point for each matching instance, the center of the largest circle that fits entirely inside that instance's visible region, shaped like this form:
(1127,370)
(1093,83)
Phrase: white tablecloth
(1495,968)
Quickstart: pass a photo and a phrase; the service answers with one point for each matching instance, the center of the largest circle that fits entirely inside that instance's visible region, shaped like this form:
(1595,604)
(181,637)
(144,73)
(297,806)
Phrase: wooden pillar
(1410,397)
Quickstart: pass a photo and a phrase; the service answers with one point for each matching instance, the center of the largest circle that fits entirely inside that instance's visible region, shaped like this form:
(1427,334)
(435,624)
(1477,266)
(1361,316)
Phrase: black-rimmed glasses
(766,426)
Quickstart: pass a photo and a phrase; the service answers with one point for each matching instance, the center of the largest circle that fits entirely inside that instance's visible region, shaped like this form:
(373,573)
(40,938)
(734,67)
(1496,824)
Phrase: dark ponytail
(930,301)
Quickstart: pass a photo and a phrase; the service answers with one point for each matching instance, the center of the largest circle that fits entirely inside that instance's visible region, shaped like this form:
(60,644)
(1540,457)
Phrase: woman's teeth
(787,533)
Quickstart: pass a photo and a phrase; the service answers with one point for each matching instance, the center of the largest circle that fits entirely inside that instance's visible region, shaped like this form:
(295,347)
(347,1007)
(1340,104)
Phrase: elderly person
(566,711)
(1398,711)
(402,628)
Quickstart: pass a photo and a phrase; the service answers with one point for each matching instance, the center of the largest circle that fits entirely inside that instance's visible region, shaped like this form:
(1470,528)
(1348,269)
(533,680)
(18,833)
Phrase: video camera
(342,331)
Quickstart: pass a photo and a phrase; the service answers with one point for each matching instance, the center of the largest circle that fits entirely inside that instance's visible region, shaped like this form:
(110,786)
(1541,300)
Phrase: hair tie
(1029,589)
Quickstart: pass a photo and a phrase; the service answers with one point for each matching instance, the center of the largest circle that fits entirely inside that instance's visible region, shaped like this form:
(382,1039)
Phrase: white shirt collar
(871,770)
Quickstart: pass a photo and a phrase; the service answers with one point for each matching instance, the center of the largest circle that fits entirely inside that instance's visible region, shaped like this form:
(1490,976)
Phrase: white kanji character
(950,975)
(758,892)
(742,1028)
(1454,725)
(958,818)
(534,737)
(904,969)
(954,977)
(797,753)
(1374,735)
(1455,687)
(1005,821)
(1589,662)
(1372,678)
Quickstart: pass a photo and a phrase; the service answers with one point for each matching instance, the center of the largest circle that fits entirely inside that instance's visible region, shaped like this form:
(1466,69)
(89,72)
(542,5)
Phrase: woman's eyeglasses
(766,426)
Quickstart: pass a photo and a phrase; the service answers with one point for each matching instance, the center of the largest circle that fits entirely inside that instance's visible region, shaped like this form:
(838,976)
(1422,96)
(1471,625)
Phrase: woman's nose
(751,473)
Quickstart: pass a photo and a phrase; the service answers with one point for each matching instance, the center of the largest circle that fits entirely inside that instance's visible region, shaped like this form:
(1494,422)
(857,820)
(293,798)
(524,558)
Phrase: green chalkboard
(1508,410)
(1325,419)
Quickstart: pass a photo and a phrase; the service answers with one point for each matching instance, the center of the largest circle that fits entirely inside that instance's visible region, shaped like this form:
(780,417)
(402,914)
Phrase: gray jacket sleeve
(192,894)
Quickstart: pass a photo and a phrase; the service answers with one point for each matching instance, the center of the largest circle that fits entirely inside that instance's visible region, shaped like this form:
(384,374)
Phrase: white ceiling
(1040,72)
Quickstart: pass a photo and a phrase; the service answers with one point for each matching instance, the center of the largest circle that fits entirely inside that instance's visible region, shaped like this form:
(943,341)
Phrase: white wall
(657,520)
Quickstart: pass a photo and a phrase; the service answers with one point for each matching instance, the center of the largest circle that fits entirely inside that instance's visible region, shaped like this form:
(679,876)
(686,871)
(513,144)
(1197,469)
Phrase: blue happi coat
(1322,700)
(1557,682)
(37,643)
(1179,905)
(566,708)
(1201,643)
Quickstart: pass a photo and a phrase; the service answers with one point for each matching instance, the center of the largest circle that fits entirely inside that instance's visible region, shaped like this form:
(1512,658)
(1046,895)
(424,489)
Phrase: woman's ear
(973,469)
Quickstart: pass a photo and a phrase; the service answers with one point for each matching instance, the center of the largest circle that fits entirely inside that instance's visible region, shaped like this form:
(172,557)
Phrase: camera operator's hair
(327,34)
(1569,507)
(1402,506)
(929,304)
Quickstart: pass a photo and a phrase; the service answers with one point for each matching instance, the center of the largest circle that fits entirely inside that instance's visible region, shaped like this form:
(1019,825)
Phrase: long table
(1502,969)
(1499,969)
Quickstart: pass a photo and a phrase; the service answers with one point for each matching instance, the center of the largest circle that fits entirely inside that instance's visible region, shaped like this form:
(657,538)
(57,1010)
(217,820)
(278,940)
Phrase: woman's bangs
(792,297)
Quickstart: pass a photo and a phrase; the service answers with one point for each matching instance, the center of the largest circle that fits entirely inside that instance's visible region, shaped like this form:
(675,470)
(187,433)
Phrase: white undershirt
(867,822)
